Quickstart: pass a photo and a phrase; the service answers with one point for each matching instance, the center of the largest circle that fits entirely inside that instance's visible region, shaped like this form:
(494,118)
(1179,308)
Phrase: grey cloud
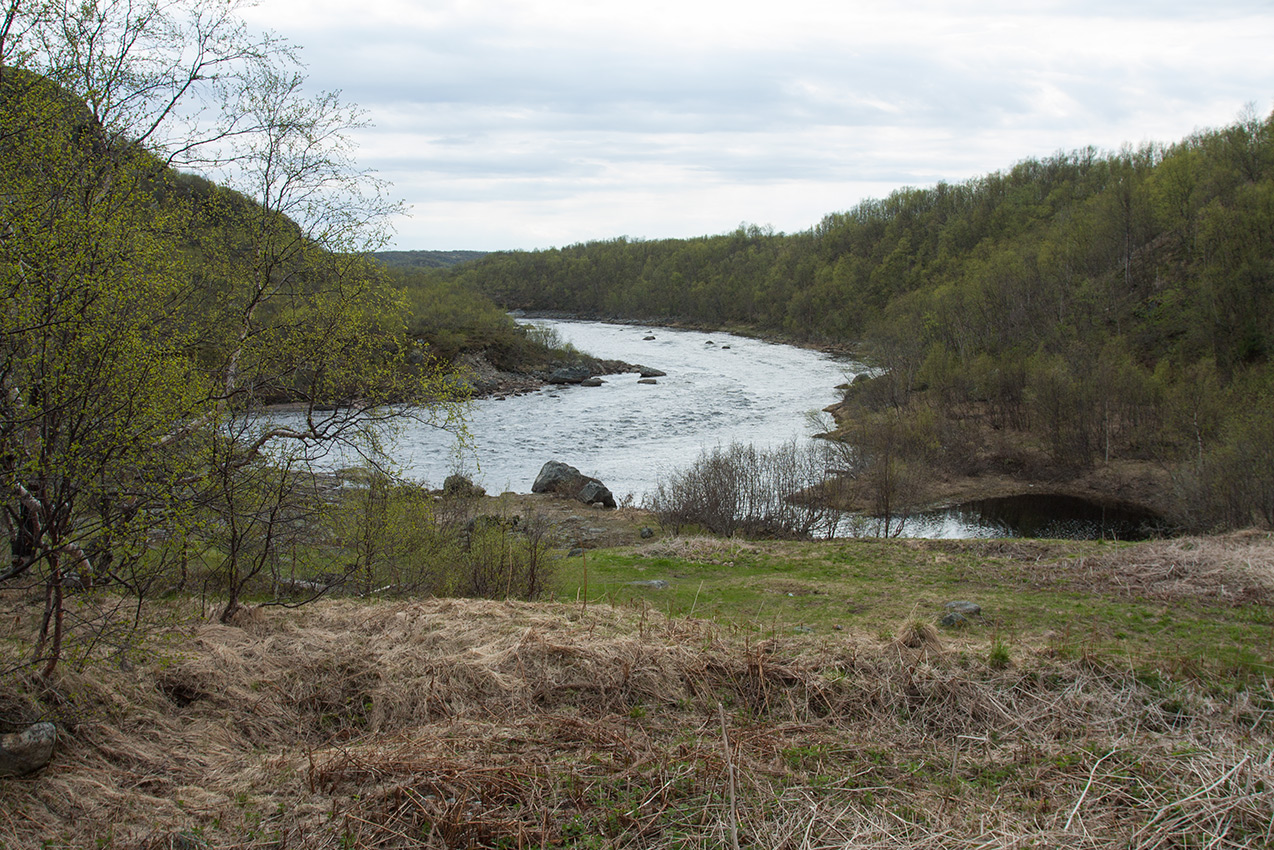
(477,113)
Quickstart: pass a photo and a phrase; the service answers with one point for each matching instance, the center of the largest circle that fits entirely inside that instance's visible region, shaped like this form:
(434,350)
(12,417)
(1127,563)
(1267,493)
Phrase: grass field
(1198,605)
(775,695)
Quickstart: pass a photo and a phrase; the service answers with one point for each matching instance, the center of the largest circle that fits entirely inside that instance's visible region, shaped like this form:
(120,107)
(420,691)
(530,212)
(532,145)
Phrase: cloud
(546,123)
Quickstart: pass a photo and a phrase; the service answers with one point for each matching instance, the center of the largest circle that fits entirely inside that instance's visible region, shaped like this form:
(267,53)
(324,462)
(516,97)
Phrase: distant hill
(427,259)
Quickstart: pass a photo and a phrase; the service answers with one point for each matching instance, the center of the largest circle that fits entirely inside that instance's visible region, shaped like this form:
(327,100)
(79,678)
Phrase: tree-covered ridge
(426,259)
(1141,231)
(1106,305)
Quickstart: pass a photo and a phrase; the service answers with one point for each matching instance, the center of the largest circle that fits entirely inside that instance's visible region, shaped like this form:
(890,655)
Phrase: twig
(729,766)
(696,601)
(1091,776)
(805,841)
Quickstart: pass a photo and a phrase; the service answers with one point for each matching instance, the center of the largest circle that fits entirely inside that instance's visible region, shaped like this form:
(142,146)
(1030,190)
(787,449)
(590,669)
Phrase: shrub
(753,492)
(398,538)
(1232,485)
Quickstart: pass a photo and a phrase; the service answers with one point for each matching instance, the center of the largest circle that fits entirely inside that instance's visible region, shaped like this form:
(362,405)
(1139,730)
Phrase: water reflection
(1039,515)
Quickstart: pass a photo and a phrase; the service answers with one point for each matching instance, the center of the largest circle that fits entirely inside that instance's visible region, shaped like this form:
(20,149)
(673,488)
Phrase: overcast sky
(513,124)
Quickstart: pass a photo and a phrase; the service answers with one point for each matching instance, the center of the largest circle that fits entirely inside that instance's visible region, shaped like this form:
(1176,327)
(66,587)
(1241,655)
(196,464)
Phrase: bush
(752,492)
(1232,485)
(398,538)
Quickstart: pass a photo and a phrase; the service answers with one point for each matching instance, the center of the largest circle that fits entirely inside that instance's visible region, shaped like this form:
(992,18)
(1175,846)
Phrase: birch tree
(149,316)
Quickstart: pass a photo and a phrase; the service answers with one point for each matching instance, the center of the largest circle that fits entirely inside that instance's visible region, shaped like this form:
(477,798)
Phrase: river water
(718,389)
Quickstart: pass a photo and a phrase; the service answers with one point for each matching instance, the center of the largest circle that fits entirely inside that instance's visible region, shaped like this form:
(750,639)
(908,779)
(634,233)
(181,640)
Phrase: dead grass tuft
(1235,569)
(711,550)
(918,634)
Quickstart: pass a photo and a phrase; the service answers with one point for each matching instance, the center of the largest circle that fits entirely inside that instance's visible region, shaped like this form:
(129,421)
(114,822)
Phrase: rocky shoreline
(486,381)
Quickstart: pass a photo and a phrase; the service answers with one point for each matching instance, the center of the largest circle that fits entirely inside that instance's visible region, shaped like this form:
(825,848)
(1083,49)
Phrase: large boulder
(553,474)
(570,375)
(27,751)
(595,492)
(566,480)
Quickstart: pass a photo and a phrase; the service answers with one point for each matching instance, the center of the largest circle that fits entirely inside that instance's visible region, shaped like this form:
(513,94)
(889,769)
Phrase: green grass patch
(1035,597)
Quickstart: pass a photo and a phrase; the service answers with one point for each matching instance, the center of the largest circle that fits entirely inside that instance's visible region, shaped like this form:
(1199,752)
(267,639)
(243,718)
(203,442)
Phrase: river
(719,388)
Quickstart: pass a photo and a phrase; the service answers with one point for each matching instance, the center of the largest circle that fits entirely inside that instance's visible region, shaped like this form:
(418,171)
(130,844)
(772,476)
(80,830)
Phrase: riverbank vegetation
(451,321)
(1068,313)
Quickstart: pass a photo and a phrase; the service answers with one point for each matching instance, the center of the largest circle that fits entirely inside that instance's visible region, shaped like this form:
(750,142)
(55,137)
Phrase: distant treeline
(426,259)
(1093,305)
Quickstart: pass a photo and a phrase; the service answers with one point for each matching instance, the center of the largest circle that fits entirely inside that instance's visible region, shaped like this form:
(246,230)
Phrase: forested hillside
(151,317)
(426,259)
(1070,311)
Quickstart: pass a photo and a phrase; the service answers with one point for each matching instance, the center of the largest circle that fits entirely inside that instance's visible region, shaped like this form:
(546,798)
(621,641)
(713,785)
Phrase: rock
(725,348)
(653,584)
(570,375)
(959,613)
(647,533)
(594,492)
(648,337)
(566,480)
(575,553)
(647,372)
(72,580)
(552,475)
(709,342)
(461,487)
(27,751)
(591,382)
(647,381)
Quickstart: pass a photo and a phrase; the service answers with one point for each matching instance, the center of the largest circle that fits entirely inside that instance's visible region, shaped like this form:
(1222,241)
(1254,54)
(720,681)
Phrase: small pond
(1039,515)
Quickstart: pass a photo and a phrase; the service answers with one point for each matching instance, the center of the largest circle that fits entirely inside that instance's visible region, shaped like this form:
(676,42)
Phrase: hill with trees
(1067,313)
(426,259)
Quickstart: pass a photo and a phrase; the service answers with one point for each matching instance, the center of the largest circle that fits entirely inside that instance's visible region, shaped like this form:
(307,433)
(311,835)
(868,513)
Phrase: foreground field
(1108,697)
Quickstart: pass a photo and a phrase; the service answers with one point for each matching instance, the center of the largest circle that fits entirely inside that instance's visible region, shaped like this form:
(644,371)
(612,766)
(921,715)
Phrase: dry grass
(1234,569)
(702,549)
(486,724)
